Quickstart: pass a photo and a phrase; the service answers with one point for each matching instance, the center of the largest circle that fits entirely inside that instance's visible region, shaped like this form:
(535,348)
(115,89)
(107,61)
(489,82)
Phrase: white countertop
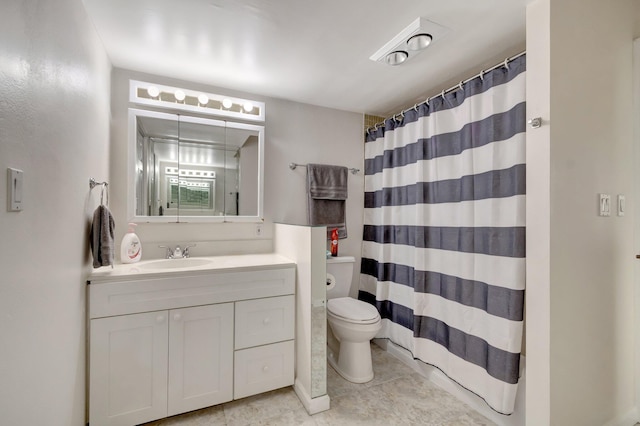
(152,268)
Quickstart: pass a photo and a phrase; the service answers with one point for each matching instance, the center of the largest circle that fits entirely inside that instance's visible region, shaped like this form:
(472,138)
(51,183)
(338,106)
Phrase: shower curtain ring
(506,63)
(460,86)
(415,107)
(442,94)
(482,75)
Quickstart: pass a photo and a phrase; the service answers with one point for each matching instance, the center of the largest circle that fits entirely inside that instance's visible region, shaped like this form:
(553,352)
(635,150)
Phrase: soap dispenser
(131,248)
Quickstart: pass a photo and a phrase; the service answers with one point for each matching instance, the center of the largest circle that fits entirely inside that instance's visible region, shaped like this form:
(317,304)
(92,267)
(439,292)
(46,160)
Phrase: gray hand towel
(326,195)
(102,237)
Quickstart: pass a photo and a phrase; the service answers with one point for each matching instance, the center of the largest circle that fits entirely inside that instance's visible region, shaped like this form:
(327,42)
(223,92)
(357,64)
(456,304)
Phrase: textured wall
(54,125)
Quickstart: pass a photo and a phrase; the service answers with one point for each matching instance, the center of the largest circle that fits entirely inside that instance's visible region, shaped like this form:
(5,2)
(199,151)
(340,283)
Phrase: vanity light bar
(176,98)
(189,173)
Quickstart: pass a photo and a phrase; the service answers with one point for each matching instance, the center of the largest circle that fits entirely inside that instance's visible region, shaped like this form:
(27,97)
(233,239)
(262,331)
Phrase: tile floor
(396,396)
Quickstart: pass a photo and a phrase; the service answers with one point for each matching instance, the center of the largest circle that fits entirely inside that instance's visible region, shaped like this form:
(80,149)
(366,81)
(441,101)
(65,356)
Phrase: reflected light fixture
(414,39)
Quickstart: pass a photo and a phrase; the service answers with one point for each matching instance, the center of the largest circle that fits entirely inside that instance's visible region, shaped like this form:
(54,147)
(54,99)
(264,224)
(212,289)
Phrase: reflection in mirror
(196,168)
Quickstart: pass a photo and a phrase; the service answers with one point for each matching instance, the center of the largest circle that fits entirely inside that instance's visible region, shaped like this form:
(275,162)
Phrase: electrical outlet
(259,230)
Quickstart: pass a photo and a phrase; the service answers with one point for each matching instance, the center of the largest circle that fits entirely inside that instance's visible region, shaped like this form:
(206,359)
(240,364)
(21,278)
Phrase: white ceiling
(310,51)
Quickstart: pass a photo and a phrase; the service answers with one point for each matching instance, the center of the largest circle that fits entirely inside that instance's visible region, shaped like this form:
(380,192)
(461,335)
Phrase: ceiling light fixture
(409,42)
(180,95)
(227,103)
(419,41)
(396,58)
(248,106)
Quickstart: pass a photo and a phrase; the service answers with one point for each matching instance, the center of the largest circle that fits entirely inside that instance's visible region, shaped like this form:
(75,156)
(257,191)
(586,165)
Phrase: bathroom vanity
(171,336)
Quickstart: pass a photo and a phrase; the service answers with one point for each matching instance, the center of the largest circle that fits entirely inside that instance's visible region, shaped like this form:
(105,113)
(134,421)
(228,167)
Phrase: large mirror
(192,169)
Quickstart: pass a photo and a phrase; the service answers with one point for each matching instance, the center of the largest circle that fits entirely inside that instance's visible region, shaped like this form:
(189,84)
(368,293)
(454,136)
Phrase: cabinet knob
(177,317)
(265,368)
(159,319)
(266,321)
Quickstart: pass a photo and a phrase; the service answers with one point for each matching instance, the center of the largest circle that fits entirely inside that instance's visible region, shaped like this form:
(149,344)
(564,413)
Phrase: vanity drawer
(262,369)
(263,321)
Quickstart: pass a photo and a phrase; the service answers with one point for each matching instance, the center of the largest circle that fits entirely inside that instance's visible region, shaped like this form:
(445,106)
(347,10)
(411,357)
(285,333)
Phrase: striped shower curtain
(443,253)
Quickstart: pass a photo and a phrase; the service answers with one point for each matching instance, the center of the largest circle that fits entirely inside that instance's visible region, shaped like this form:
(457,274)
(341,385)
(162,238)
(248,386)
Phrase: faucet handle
(185,252)
(169,252)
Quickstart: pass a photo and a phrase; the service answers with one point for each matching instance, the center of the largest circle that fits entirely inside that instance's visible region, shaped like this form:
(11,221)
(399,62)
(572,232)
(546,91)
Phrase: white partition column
(306,246)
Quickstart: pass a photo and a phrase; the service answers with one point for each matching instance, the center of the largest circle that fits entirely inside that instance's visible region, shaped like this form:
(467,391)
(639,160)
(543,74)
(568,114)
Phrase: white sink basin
(175,263)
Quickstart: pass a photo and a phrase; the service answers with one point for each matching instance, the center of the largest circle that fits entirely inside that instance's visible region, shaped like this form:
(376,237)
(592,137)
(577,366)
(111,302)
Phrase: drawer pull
(265,368)
(160,319)
(266,321)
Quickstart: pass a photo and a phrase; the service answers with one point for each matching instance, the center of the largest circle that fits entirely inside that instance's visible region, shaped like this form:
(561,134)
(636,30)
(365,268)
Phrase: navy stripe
(501,364)
(398,314)
(497,127)
(492,184)
(498,301)
(455,98)
(493,241)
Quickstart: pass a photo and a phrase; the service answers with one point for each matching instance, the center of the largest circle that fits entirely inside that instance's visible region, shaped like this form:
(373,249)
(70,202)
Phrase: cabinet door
(200,357)
(128,369)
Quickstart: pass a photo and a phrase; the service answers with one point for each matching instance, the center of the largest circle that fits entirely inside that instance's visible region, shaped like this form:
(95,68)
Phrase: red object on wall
(334,242)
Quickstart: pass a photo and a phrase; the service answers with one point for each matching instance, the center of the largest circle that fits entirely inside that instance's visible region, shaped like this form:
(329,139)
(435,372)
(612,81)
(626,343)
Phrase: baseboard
(312,405)
(631,417)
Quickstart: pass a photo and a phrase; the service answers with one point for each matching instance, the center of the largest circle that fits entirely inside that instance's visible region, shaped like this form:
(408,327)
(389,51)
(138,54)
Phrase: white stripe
(496,100)
(499,332)
(507,272)
(493,156)
(492,212)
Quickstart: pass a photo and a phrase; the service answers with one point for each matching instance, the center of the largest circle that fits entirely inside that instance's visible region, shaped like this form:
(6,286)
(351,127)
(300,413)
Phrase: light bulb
(397,57)
(153,91)
(227,103)
(179,94)
(419,41)
(203,99)
(248,106)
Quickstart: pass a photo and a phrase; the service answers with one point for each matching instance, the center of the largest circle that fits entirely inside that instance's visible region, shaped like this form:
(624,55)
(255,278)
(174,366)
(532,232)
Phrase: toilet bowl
(352,324)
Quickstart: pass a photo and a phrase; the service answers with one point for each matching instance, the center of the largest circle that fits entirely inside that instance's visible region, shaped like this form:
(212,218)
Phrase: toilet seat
(353,311)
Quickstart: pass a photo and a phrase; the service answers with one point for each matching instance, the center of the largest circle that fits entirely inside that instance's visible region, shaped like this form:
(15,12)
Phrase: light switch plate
(621,204)
(14,190)
(605,205)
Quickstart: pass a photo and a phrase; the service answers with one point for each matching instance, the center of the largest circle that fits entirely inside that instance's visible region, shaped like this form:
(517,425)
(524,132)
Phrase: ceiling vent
(420,34)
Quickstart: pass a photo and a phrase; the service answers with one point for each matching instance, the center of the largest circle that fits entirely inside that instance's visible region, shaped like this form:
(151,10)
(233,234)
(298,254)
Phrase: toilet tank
(339,275)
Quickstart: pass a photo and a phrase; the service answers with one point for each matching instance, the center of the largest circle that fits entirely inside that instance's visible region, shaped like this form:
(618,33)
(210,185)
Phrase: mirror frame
(131,169)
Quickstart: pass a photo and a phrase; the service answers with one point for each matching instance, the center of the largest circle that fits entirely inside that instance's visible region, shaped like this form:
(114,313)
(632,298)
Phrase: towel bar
(293,166)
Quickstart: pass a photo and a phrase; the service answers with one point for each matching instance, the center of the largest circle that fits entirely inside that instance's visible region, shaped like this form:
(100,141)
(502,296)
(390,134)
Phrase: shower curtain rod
(505,63)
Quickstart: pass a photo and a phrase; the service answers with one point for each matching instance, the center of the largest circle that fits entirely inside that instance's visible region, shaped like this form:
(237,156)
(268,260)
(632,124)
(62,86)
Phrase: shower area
(443,252)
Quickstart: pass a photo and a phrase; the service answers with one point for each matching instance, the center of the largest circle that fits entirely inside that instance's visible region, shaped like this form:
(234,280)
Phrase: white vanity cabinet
(166,344)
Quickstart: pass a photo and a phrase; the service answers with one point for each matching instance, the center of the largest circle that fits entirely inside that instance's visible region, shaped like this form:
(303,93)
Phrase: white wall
(294,132)
(580,308)
(54,125)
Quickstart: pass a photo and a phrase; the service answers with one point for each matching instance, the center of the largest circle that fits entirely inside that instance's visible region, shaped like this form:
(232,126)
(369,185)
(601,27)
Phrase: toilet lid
(353,310)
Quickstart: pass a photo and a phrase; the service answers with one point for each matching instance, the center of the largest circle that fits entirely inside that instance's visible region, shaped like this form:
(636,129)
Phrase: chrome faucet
(177,253)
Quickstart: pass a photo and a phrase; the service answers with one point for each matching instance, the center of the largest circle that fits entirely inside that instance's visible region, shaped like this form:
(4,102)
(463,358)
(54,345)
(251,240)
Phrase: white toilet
(352,324)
